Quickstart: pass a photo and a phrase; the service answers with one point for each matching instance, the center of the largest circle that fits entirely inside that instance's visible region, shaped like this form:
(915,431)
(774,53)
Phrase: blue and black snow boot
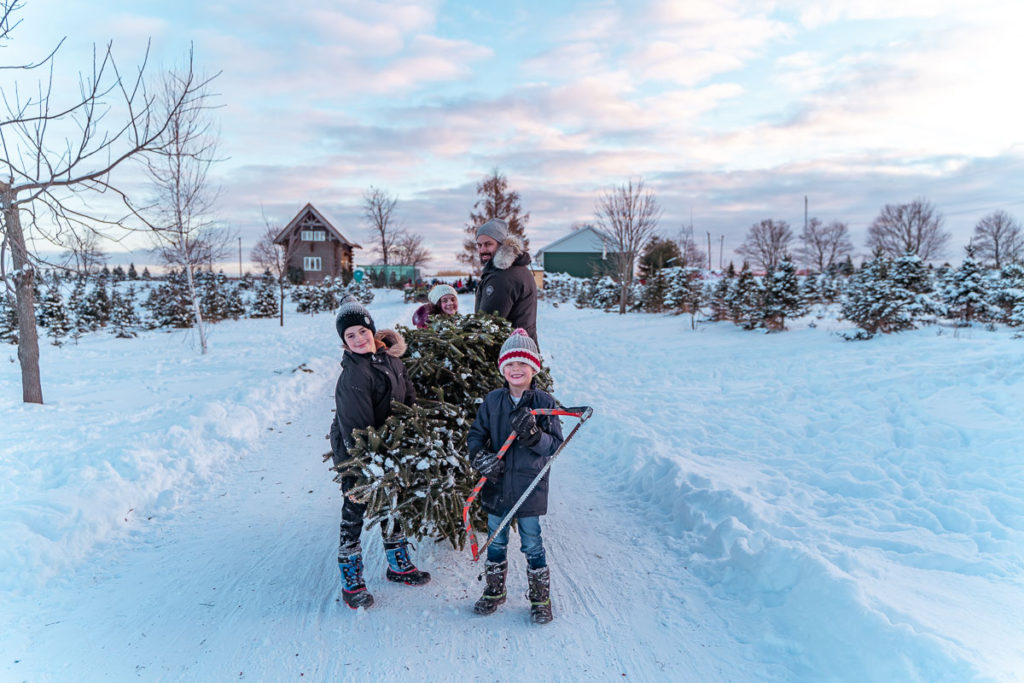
(354,590)
(400,566)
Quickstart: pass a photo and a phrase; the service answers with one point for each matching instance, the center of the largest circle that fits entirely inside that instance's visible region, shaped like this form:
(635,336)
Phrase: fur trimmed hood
(508,253)
(392,341)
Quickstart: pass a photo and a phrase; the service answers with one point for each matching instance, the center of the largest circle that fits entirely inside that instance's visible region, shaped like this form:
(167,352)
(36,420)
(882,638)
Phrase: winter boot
(494,593)
(354,590)
(400,566)
(540,595)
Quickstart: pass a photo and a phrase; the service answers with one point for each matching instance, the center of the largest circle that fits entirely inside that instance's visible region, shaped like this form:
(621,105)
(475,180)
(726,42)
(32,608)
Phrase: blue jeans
(532,544)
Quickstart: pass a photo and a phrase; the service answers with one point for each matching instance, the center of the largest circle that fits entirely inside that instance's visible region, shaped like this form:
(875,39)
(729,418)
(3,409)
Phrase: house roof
(309,208)
(596,237)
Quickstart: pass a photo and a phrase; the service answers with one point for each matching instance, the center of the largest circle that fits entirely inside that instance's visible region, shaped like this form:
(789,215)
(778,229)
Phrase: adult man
(506,285)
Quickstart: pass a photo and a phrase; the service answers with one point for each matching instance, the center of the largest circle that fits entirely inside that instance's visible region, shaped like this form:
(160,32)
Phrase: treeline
(125,303)
(884,295)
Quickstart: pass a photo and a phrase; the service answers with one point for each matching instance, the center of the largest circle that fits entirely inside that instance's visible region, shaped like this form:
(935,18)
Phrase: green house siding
(577,264)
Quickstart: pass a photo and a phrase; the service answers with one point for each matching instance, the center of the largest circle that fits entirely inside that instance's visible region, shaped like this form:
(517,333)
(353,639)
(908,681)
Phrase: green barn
(581,253)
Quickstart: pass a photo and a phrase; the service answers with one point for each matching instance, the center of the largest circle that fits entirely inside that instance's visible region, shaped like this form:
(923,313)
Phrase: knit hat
(519,347)
(439,291)
(495,228)
(350,314)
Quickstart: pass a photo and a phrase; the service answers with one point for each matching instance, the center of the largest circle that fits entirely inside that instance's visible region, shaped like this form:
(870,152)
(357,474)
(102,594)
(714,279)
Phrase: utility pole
(721,248)
(709,250)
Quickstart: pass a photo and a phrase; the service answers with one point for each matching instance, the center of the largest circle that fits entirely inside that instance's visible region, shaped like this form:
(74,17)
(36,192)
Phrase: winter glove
(525,426)
(487,463)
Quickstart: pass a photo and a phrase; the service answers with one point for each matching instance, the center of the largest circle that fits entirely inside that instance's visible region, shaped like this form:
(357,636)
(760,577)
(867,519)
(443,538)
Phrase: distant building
(316,249)
(581,253)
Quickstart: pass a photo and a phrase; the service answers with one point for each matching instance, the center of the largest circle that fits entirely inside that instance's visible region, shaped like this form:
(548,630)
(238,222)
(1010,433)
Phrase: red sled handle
(582,412)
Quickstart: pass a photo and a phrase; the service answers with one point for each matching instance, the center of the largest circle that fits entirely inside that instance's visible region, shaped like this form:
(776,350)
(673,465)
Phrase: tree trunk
(281,307)
(195,308)
(24,275)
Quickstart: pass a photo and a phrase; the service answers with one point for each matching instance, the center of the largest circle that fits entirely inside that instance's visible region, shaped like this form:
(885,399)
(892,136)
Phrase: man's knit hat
(352,313)
(439,291)
(519,347)
(495,228)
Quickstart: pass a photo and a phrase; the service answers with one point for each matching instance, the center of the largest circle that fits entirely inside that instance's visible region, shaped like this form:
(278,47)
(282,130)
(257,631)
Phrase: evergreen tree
(743,301)
(76,309)
(118,274)
(718,298)
(496,201)
(123,318)
(145,273)
(1008,291)
(416,466)
(876,301)
(8,319)
(213,296)
(684,291)
(966,292)
(235,306)
(653,299)
(58,322)
(780,295)
(132,273)
(265,303)
(95,310)
(169,303)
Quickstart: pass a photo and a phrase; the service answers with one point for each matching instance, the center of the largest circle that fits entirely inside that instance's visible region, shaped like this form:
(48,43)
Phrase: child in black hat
(372,375)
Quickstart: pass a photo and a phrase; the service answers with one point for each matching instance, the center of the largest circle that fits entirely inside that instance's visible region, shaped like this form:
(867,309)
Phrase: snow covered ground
(741,507)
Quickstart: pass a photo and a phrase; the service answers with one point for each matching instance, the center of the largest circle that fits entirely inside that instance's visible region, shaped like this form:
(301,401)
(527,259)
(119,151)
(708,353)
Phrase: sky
(731,112)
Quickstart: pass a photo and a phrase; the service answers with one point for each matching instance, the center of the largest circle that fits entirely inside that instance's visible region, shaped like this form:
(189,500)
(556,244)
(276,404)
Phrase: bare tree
(690,255)
(496,201)
(998,239)
(824,246)
(274,257)
(628,215)
(84,254)
(766,243)
(45,173)
(182,227)
(914,228)
(409,251)
(378,210)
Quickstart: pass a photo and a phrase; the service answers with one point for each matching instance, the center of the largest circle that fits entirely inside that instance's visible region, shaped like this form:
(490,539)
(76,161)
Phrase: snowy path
(240,582)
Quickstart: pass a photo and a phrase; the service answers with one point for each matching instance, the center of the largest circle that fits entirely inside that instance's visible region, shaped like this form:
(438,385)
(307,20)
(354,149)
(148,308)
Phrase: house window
(314,235)
(312,263)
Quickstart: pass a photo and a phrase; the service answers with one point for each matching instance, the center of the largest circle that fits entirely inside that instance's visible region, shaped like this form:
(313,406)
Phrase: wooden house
(315,248)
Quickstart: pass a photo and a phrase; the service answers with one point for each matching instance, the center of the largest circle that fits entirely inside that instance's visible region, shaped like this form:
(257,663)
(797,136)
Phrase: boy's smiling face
(518,375)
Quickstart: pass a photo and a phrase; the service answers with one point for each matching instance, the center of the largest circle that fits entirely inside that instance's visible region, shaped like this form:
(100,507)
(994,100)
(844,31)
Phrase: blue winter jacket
(492,426)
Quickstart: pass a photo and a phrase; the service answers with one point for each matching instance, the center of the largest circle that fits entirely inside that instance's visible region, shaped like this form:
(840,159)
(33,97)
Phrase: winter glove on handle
(525,426)
(487,463)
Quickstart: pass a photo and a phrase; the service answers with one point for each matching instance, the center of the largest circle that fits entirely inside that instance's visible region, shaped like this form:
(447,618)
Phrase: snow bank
(866,499)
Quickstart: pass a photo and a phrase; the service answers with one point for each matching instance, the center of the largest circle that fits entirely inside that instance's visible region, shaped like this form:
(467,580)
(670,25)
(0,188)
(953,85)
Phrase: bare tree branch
(378,210)
(824,246)
(914,228)
(766,243)
(998,239)
(628,215)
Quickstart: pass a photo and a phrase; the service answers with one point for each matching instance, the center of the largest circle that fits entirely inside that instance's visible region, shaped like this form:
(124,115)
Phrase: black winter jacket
(507,287)
(492,426)
(367,385)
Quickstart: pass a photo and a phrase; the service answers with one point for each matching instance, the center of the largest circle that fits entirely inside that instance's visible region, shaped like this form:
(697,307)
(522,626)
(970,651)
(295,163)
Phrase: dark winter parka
(492,426)
(367,385)
(507,287)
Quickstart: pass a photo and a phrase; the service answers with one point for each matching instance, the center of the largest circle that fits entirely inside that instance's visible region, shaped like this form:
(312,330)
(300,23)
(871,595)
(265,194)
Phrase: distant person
(372,375)
(442,300)
(506,286)
(537,438)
